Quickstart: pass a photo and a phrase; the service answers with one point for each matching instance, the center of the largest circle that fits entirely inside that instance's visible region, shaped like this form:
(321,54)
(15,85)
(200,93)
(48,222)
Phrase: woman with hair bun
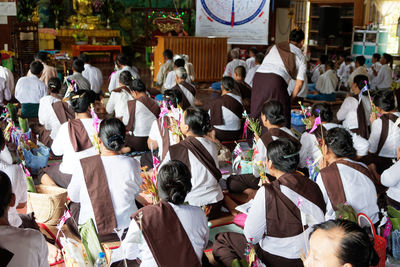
(183,85)
(340,243)
(106,185)
(120,96)
(74,141)
(201,156)
(343,180)
(187,236)
(274,222)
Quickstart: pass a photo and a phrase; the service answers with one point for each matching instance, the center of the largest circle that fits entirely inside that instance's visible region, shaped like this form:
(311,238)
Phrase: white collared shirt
(47,73)
(377,66)
(156,136)
(163,71)
(341,69)
(5,93)
(170,80)
(231,121)
(389,149)
(361,70)
(250,75)
(7,75)
(143,119)
(391,178)
(327,82)
(231,66)
(205,187)
(30,89)
(124,180)
(94,76)
(348,111)
(359,190)
(250,62)
(318,71)
(114,80)
(273,63)
(47,116)
(118,103)
(384,79)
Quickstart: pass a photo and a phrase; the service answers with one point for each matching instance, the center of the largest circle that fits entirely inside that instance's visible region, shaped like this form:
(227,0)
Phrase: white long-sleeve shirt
(7,75)
(118,103)
(230,67)
(250,75)
(389,149)
(384,79)
(327,82)
(143,119)
(361,70)
(94,76)
(114,80)
(318,71)
(391,178)
(377,66)
(47,116)
(348,111)
(5,93)
(30,89)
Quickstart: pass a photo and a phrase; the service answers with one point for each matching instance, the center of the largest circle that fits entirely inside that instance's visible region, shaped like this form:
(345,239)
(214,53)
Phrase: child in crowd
(326,84)
(117,103)
(123,63)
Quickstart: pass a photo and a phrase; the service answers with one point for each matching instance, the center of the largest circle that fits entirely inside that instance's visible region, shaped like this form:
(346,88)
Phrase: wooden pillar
(272,22)
(358,13)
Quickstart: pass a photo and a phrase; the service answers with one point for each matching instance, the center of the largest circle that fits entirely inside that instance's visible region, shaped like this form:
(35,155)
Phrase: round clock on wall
(233,12)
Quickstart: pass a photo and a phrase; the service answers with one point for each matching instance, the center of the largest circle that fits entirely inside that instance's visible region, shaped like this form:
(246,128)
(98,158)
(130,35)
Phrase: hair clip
(291,155)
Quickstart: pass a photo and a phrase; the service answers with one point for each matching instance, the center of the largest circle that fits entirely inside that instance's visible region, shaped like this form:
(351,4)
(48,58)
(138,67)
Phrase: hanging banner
(243,21)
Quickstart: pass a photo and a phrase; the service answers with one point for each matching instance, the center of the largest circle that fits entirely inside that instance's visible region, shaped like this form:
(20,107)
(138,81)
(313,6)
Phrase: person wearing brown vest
(242,87)
(169,233)
(104,187)
(274,223)
(138,117)
(121,95)
(226,112)
(188,91)
(343,180)
(74,141)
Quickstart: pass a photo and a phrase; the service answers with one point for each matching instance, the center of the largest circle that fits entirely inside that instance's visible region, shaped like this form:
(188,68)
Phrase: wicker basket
(69,262)
(48,203)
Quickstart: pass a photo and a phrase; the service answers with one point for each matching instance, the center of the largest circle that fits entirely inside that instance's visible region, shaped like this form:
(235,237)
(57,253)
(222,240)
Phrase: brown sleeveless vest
(63,111)
(78,135)
(385,130)
(216,116)
(362,129)
(148,102)
(185,102)
(266,138)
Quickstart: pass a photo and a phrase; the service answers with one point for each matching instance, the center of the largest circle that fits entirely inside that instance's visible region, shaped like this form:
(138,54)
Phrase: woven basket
(69,262)
(48,203)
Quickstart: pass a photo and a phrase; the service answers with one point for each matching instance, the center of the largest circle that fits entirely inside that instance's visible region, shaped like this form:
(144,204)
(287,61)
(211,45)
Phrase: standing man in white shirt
(258,59)
(251,61)
(374,69)
(122,63)
(92,74)
(7,75)
(231,66)
(285,61)
(29,90)
(384,79)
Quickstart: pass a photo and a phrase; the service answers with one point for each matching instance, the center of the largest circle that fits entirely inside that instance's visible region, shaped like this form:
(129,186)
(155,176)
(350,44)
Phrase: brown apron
(185,102)
(243,88)
(120,89)
(164,132)
(78,135)
(266,138)
(362,129)
(148,102)
(288,58)
(165,236)
(180,152)
(216,116)
(63,111)
(99,193)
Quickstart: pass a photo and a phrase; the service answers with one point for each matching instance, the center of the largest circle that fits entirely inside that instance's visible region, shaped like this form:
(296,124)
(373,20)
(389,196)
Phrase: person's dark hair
(112,133)
(361,80)
(41,56)
(323,58)
(80,101)
(355,246)
(330,64)
(296,36)
(198,121)
(168,54)
(36,67)
(54,85)
(273,111)
(284,154)
(240,71)
(172,97)
(78,65)
(324,111)
(340,142)
(180,62)
(348,59)
(228,83)
(388,58)
(123,60)
(5,193)
(138,86)
(174,180)
(125,78)
(384,100)
(92,96)
(84,57)
(2,140)
(253,50)
(360,60)
(377,56)
(259,58)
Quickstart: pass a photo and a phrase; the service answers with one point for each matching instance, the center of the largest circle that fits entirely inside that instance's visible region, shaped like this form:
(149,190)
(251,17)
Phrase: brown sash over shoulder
(148,102)
(120,89)
(164,132)
(283,216)
(63,111)
(243,88)
(5,256)
(99,193)
(165,235)
(185,102)
(180,152)
(362,129)
(288,58)
(79,137)
(266,138)
(385,130)
(227,101)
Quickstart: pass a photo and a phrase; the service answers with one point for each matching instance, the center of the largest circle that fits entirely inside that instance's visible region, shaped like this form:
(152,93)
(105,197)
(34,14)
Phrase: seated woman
(18,247)
(117,175)
(188,91)
(226,112)
(74,141)
(343,180)
(242,87)
(310,142)
(53,112)
(279,199)
(384,138)
(355,110)
(391,178)
(120,96)
(201,156)
(274,120)
(339,243)
(326,84)
(138,116)
(187,225)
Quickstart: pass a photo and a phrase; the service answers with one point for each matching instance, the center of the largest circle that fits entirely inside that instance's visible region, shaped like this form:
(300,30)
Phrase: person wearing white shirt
(92,74)
(345,74)
(189,68)
(326,85)
(230,67)
(374,69)
(174,184)
(357,188)
(188,90)
(122,64)
(76,81)
(170,80)
(391,179)
(48,71)
(277,242)
(251,61)
(165,68)
(258,59)
(118,101)
(319,69)
(360,70)
(384,78)
(23,247)
(122,176)
(29,90)
(7,75)
(274,73)
(5,94)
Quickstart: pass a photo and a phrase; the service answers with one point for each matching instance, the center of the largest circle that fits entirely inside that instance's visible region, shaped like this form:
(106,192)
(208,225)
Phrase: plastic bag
(90,240)
(36,158)
(396,244)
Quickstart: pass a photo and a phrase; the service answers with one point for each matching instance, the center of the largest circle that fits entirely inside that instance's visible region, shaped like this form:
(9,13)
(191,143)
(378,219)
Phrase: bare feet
(231,205)
(47,180)
(54,253)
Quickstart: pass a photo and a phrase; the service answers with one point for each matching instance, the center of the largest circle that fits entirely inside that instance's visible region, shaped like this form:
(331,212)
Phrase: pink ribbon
(246,124)
(316,123)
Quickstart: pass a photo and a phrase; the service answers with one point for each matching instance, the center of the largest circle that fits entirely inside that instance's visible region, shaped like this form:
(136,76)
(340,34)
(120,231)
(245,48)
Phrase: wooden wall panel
(208,55)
